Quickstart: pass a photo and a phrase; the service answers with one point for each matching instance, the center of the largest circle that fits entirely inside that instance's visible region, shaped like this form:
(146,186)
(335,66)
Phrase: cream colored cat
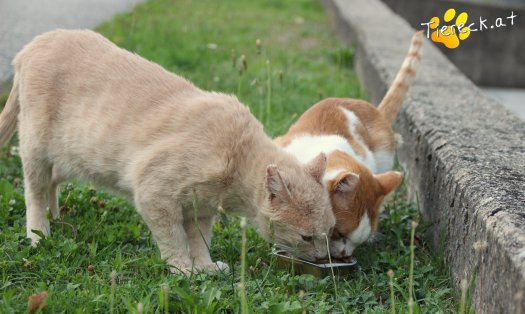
(87,109)
(359,141)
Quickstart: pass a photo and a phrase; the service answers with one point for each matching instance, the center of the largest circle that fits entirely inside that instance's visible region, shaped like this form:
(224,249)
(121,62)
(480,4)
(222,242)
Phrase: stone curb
(463,153)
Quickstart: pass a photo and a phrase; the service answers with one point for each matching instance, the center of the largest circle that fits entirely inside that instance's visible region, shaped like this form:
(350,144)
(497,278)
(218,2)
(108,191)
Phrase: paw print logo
(452,35)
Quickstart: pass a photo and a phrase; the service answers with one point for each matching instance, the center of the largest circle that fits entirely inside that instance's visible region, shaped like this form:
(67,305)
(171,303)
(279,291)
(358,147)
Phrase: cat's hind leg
(53,199)
(56,179)
(37,181)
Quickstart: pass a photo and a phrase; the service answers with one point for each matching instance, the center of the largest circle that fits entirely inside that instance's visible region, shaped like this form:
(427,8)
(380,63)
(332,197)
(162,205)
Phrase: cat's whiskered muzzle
(321,259)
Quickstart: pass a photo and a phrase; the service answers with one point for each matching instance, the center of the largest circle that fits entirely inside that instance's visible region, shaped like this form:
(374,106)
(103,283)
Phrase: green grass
(4,93)
(99,233)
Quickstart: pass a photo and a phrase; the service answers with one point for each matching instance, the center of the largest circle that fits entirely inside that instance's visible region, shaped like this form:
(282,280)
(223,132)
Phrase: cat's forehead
(312,205)
(307,189)
(309,215)
(300,222)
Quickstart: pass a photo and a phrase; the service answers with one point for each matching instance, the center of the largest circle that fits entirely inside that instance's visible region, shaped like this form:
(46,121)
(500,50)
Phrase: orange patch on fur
(367,197)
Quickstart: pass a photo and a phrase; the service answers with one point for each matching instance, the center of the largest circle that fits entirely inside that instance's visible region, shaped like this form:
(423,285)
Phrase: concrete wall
(493,57)
(463,154)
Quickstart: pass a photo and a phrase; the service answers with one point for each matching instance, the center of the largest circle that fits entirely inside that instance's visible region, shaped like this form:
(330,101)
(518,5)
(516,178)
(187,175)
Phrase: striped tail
(391,103)
(9,115)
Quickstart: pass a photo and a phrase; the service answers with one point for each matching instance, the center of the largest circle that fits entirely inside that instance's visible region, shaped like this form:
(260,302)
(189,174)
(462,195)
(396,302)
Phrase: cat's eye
(307,238)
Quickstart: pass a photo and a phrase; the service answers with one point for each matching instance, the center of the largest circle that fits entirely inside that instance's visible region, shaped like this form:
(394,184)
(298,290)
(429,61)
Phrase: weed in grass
(258,46)
(390,274)
(268,93)
(411,271)
(113,281)
(242,67)
(242,284)
(331,269)
(165,290)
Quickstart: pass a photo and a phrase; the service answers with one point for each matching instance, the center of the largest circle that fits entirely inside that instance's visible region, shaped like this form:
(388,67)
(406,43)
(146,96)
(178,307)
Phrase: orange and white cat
(86,109)
(359,142)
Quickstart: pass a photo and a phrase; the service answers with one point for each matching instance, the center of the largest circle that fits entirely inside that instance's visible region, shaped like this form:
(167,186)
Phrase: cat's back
(345,117)
(59,50)
(61,41)
(80,61)
(95,87)
(77,82)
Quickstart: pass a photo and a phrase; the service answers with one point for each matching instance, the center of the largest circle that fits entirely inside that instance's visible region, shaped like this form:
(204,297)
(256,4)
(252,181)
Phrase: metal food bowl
(299,266)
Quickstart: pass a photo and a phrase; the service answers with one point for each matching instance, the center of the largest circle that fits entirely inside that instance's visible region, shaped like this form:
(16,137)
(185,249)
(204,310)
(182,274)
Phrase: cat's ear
(275,184)
(389,181)
(316,167)
(345,182)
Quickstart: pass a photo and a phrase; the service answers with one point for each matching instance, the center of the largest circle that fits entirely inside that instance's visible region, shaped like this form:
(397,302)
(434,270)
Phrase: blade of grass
(242,285)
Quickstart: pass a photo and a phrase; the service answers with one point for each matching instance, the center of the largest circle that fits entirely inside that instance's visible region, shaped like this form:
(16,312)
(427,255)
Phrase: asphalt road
(21,20)
(512,98)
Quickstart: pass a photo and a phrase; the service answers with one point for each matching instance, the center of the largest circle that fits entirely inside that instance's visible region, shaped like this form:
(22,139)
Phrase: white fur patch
(363,231)
(368,160)
(307,147)
(360,235)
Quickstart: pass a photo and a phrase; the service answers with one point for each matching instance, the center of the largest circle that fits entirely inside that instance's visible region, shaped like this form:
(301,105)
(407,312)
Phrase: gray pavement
(512,98)
(21,20)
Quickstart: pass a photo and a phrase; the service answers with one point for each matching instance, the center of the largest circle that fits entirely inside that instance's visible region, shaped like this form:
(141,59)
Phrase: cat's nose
(343,253)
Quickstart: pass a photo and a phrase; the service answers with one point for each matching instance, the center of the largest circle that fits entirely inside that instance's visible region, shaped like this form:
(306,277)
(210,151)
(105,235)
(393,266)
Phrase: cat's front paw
(223,267)
(178,267)
(178,270)
(213,267)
